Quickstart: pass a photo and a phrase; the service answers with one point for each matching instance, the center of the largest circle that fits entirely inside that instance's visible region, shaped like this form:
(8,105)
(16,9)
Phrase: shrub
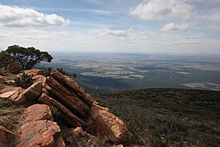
(23,81)
(61,70)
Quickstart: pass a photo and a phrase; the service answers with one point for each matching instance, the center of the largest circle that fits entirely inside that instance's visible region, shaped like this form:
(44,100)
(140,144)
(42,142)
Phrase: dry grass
(9,118)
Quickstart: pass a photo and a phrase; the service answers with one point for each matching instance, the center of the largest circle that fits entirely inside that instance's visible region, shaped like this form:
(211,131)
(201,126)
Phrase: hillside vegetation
(167,117)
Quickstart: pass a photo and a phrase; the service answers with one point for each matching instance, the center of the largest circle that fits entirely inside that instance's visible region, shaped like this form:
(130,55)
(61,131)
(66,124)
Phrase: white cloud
(175,27)
(13,16)
(91,40)
(162,9)
(117,33)
(214,17)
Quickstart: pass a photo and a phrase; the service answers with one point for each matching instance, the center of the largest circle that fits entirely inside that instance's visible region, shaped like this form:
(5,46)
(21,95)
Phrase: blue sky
(138,26)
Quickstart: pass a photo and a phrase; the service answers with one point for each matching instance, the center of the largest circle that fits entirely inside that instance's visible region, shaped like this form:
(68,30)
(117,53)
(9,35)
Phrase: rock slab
(40,131)
(30,94)
(109,125)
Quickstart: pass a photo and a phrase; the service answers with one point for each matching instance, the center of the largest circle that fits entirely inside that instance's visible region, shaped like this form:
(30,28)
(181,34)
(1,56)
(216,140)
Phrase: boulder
(109,125)
(33,72)
(41,133)
(39,130)
(74,134)
(30,94)
(38,112)
(6,137)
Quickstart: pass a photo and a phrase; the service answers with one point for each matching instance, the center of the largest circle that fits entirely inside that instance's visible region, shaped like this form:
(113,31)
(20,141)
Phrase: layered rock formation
(78,109)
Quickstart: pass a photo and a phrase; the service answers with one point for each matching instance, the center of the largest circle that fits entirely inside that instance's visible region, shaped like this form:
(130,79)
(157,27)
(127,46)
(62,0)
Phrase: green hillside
(163,117)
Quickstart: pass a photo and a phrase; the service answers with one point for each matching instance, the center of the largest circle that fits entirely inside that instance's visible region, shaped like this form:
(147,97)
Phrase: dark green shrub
(5,59)
(61,70)
(23,81)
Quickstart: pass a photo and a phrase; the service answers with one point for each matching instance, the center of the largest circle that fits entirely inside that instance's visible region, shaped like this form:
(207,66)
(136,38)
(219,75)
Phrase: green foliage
(61,70)
(5,59)
(23,81)
(25,57)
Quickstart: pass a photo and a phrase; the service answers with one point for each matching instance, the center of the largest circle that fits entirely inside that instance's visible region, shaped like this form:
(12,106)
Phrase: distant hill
(162,117)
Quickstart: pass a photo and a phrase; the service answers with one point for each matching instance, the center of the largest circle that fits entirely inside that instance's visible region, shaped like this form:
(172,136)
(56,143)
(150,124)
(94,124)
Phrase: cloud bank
(13,16)
(162,9)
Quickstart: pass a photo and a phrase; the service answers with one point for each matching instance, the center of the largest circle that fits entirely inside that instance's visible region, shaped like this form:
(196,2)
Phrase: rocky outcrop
(80,109)
(69,97)
(77,108)
(39,129)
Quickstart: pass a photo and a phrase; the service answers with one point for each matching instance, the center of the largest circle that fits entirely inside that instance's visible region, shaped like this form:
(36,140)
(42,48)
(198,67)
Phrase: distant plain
(110,72)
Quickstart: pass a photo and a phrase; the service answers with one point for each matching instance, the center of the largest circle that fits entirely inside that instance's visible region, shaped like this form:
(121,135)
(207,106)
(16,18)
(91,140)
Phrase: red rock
(79,132)
(74,134)
(7,89)
(109,125)
(67,114)
(38,112)
(8,94)
(42,133)
(67,97)
(5,136)
(16,94)
(30,94)
(39,130)
(73,85)
(33,72)
(39,78)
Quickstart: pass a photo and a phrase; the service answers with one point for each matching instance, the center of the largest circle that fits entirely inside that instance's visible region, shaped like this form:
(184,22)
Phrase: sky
(125,26)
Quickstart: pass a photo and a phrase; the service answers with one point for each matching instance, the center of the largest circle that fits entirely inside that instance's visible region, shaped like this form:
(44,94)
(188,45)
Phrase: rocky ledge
(78,109)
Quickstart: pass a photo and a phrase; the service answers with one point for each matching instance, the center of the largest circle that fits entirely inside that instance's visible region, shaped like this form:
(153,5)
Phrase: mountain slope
(168,116)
